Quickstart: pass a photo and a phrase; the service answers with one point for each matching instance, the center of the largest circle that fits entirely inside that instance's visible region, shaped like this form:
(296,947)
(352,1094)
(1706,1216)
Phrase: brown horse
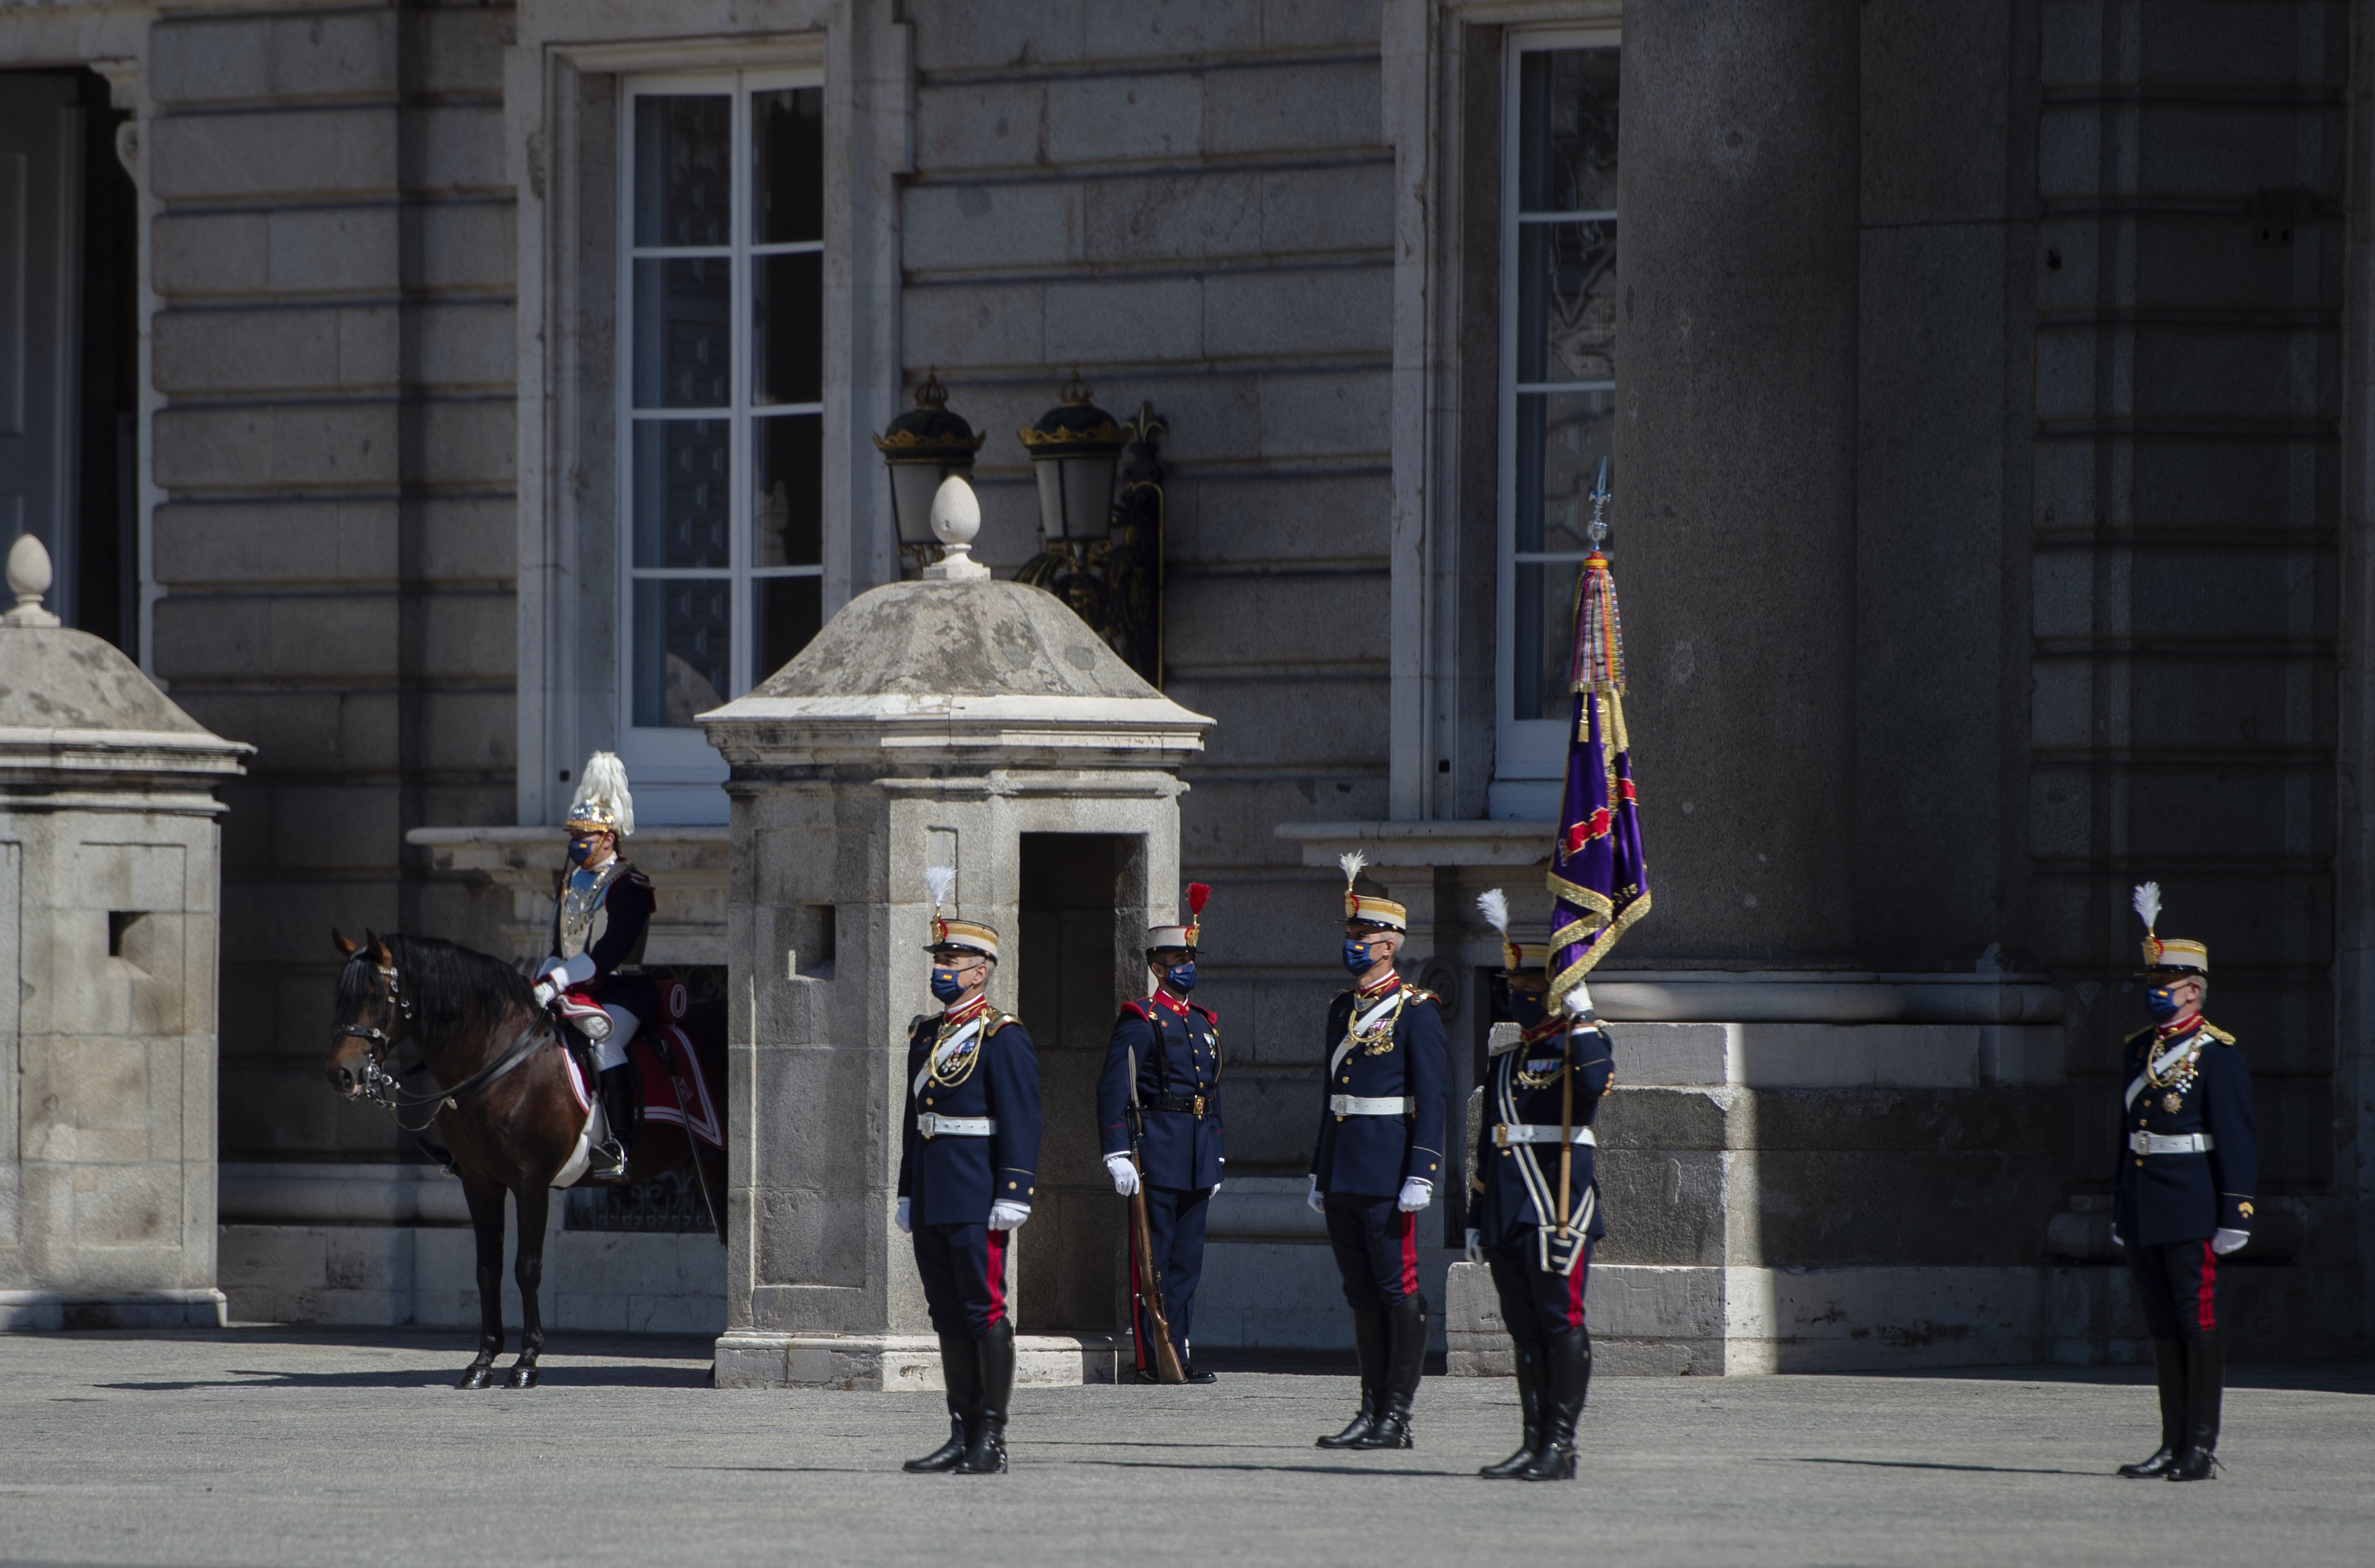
(505,1109)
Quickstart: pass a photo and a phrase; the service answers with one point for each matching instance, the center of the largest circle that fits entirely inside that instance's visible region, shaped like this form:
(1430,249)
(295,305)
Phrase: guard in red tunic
(967,1176)
(2189,1162)
(1163,1079)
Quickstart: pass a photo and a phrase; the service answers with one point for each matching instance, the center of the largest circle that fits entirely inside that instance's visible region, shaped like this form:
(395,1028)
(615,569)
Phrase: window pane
(1543,635)
(683,642)
(787,166)
(788,328)
(1562,436)
(684,313)
(789,610)
(681,496)
(1566,131)
(786,490)
(1567,301)
(683,179)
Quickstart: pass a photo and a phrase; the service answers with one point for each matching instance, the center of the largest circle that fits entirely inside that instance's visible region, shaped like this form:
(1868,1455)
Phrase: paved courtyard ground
(268,1445)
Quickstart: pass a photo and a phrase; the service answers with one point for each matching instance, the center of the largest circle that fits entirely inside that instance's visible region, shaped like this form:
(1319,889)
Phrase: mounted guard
(593,978)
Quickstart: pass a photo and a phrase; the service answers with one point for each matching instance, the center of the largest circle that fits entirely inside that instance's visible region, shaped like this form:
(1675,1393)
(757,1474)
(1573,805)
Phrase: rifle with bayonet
(1148,1285)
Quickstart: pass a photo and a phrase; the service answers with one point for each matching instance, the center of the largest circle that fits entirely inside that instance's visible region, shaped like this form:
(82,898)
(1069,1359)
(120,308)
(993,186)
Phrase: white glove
(578,971)
(1475,1246)
(544,991)
(1124,1173)
(2115,1237)
(1006,1214)
(1215,1192)
(1579,1002)
(1417,1193)
(2227,1241)
(904,1224)
(1318,1204)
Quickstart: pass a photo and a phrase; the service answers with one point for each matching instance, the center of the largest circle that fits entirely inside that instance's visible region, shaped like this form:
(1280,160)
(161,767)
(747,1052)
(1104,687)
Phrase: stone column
(110,872)
(1736,470)
(940,723)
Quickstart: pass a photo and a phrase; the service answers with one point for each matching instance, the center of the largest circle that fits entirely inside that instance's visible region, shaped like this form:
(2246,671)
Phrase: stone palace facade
(427,394)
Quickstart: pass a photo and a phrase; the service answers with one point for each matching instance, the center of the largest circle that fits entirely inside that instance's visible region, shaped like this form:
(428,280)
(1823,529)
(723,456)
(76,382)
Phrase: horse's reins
(381,1088)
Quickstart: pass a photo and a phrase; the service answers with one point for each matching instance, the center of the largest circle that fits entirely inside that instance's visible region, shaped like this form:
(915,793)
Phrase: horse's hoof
(479,1375)
(522,1376)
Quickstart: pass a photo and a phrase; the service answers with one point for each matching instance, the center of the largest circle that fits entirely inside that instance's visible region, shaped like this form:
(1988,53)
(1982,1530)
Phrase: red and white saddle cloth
(657,1089)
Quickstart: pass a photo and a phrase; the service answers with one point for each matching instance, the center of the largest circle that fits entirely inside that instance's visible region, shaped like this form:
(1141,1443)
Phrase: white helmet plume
(603,799)
(1494,905)
(2148,903)
(943,881)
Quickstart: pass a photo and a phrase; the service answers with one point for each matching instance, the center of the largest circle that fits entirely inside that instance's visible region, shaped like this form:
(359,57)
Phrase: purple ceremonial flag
(1599,880)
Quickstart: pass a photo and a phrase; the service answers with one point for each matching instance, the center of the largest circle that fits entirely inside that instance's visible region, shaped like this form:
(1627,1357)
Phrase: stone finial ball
(956,512)
(29,565)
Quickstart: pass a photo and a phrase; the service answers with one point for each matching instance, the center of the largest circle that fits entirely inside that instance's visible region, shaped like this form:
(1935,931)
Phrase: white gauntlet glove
(1318,1204)
(1417,1193)
(1006,1214)
(1124,1173)
(905,1224)
(2227,1241)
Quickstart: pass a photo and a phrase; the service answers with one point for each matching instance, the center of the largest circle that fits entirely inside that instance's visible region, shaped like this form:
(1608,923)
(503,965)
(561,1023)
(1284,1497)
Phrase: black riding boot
(1405,1360)
(986,1455)
(2169,1377)
(1567,1381)
(618,1089)
(1530,1402)
(1369,1348)
(961,1372)
(2205,1381)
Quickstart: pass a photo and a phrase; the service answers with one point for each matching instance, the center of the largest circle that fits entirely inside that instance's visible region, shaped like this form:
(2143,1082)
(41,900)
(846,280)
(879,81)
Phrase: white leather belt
(932,1125)
(2183,1143)
(1505,1132)
(1363,1106)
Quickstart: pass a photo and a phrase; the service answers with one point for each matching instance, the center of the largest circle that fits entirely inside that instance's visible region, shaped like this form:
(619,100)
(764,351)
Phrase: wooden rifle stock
(1149,1283)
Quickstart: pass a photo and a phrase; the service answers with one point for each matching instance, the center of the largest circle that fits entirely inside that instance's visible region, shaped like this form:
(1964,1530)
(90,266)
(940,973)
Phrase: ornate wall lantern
(923,447)
(1102,556)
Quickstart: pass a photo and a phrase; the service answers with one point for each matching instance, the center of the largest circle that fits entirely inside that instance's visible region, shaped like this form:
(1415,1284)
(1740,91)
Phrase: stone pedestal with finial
(958,722)
(109,868)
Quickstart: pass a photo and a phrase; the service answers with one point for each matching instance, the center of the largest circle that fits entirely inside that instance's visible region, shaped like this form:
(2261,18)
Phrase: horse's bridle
(378,1083)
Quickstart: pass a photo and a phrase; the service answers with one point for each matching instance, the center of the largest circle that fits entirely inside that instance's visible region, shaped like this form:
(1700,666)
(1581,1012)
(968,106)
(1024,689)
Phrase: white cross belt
(932,1125)
(2180,1143)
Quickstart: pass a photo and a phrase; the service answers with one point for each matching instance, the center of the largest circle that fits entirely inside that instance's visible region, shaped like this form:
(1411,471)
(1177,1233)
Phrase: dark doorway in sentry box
(1082,925)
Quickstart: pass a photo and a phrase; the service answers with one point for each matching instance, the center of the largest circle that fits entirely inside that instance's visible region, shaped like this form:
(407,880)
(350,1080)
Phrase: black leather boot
(1567,1380)
(618,1090)
(961,1372)
(2205,1381)
(1530,1402)
(1369,1348)
(1405,1360)
(987,1454)
(2169,1376)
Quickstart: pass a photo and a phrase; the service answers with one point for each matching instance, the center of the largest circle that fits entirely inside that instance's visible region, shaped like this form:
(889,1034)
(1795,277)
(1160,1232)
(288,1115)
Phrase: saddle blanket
(655,1097)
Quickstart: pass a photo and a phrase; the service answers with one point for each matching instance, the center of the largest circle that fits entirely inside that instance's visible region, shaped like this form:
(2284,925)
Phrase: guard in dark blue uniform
(1534,1215)
(593,975)
(1377,1160)
(2189,1162)
(1163,1079)
(968,1174)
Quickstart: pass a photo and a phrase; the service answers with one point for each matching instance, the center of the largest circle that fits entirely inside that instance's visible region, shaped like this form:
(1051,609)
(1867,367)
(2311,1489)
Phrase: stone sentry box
(959,722)
(110,867)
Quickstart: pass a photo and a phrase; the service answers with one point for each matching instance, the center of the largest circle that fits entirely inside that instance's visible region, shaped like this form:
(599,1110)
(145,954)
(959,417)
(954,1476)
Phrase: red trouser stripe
(1575,1291)
(1410,1255)
(997,1277)
(2206,1303)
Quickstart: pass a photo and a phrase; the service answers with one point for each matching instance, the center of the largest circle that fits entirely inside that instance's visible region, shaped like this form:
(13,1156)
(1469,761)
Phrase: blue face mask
(945,984)
(2161,1002)
(1181,977)
(1356,955)
(581,846)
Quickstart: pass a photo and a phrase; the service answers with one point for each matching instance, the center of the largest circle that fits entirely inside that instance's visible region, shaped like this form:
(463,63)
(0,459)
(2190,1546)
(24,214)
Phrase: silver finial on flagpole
(1599,529)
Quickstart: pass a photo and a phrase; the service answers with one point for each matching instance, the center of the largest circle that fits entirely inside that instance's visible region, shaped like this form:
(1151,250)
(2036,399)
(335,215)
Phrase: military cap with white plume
(603,799)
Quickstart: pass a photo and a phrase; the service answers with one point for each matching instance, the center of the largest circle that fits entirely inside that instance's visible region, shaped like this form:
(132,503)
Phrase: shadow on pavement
(1927,1464)
(2294,1377)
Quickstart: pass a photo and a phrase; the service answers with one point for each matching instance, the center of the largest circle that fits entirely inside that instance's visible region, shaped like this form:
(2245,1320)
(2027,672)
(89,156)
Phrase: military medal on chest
(2172,1102)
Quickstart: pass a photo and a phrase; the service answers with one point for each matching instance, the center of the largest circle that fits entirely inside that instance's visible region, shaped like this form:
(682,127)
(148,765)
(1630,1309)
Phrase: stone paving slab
(273,1446)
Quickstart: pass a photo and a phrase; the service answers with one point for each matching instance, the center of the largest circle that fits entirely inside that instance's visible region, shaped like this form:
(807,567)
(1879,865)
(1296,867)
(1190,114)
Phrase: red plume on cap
(1198,894)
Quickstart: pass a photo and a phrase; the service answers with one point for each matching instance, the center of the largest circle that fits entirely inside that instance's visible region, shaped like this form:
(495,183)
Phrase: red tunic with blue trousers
(1175,1048)
(973,1069)
(1381,1115)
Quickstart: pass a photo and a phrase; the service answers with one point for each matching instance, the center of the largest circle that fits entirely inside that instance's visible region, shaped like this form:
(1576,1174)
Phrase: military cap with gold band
(955,936)
(1383,913)
(1182,936)
(2166,955)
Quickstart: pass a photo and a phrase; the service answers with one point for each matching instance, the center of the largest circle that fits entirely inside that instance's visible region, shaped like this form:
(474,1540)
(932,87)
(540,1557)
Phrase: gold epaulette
(2216,1033)
(998,1020)
(1421,993)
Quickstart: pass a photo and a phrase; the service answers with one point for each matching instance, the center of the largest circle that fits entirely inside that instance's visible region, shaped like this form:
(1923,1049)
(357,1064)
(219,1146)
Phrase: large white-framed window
(720,399)
(1558,380)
